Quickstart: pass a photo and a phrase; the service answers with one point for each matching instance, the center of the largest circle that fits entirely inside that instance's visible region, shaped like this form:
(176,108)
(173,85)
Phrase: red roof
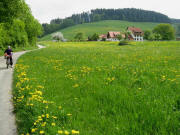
(112,34)
(134,29)
(103,36)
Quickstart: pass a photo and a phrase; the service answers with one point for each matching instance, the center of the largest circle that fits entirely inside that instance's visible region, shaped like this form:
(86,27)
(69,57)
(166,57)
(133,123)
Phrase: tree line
(127,14)
(18,27)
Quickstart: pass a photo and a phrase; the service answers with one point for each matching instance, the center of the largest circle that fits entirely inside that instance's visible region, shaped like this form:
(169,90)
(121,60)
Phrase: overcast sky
(45,10)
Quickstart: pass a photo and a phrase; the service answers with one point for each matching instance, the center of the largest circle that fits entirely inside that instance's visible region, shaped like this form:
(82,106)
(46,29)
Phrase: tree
(178,30)
(127,34)
(147,34)
(32,26)
(151,37)
(67,23)
(94,37)
(166,31)
(157,37)
(3,36)
(58,36)
(127,14)
(120,37)
(17,33)
(10,9)
(96,18)
(79,36)
(17,25)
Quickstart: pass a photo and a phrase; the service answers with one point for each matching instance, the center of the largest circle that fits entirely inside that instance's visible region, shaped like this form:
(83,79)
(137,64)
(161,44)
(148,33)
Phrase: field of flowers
(99,88)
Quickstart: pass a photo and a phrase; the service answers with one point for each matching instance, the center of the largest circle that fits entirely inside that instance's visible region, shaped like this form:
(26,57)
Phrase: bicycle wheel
(8,62)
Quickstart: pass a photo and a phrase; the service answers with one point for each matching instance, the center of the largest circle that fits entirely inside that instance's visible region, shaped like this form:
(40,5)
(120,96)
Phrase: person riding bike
(8,55)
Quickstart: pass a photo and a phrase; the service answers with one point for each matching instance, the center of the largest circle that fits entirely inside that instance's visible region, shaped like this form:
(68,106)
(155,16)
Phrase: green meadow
(99,88)
(101,27)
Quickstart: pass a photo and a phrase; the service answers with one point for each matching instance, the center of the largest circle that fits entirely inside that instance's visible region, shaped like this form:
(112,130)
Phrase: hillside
(126,14)
(101,28)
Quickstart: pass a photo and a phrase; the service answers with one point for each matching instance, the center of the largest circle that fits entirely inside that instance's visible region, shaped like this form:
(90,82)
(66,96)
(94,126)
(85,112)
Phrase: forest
(127,14)
(18,27)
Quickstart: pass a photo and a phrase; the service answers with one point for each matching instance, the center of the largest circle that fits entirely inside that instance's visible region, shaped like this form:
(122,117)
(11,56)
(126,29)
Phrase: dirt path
(7,118)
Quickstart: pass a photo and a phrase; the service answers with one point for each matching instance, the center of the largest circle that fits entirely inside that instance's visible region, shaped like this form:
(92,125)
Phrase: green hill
(101,27)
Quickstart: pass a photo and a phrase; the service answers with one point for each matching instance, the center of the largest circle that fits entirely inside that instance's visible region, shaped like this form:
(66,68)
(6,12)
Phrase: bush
(124,42)
(103,39)
(166,31)
(147,34)
(58,36)
(79,36)
(94,37)
(120,37)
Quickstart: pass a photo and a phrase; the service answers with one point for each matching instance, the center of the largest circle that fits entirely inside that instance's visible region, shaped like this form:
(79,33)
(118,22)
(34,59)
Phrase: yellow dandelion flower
(47,115)
(40,119)
(60,132)
(41,87)
(33,130)
(66,132)
(53,124)
(43,124)
(54,117)
(76,85)
(75,132)
(41,132)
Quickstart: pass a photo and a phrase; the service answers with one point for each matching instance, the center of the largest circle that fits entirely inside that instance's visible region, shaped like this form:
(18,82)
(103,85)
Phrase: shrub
(94,37)
(147,34)
(79,36)
(103,39)
(157,36)
(124,42)
(120,37)
(58,36)
(166,31)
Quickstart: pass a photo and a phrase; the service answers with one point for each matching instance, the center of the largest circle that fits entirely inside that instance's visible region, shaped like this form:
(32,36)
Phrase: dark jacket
(8,51)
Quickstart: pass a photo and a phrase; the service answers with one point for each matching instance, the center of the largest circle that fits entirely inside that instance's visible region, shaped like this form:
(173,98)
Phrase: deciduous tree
(166,31)
(79,36)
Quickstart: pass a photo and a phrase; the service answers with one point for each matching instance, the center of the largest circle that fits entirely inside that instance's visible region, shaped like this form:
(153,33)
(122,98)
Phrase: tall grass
(99,88)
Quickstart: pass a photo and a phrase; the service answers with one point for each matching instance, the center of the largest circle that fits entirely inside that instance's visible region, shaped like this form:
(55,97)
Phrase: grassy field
(99,88)
(101,27)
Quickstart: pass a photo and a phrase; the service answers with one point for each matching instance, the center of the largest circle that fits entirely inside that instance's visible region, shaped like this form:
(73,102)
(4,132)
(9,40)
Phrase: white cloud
(45,10)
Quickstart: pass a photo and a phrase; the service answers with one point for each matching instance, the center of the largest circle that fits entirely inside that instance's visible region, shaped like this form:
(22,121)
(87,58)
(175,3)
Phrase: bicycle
(8,61)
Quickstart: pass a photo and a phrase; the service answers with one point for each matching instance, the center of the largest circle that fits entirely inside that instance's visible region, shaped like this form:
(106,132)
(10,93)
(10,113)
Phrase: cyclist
(8,54)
